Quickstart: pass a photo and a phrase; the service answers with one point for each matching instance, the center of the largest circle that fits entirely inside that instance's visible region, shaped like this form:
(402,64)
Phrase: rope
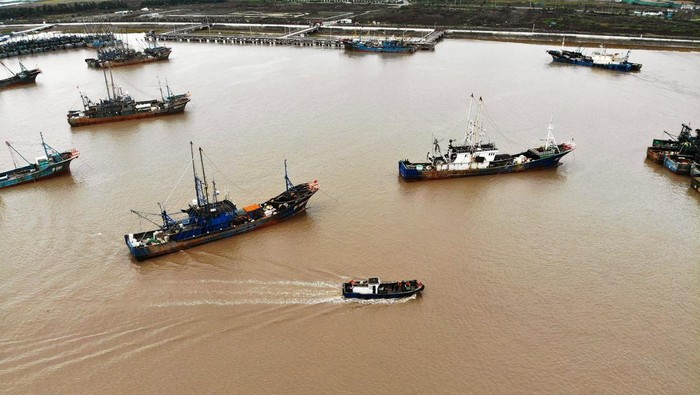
(493,124)
(223,174)
(178,183)
(327,194)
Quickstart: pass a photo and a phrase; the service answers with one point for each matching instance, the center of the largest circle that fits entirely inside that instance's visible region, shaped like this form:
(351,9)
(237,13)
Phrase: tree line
(39,11)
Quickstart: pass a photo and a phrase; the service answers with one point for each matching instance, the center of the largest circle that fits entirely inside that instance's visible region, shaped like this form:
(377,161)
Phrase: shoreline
(571,39)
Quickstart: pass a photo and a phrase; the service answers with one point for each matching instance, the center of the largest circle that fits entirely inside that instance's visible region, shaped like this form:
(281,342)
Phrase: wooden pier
(302,38)
(429,40)
(188,29)
(249,39)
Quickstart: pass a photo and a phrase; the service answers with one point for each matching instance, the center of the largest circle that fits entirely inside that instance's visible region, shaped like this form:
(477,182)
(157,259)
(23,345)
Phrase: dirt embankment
(574,16)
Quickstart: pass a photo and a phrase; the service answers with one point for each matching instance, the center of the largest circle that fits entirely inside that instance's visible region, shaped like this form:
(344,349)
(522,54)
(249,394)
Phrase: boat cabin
(365,287)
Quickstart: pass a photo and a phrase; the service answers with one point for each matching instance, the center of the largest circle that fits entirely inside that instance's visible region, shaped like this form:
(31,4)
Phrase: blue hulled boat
(373,288)
(389,45)
(207,220)
(53,164)
(679,164)
(599,59)
(474,157)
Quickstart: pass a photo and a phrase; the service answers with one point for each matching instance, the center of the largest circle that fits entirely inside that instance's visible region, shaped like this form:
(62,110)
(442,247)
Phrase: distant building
(351,1)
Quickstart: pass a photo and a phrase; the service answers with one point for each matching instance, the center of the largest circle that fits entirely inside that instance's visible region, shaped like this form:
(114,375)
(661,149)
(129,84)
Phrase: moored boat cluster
(679,154)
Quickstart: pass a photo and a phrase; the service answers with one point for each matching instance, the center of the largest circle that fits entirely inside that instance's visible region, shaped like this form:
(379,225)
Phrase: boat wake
(256,292)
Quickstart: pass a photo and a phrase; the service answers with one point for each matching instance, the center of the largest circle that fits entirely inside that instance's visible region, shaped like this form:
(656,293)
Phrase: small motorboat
(373,288)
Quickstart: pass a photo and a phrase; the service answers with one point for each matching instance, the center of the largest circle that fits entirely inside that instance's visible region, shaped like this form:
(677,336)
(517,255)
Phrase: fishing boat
(120,106)
(658,154)
(695,183)
(475,157)
(373,288)
(118,55)
(695,169)
(25,76)
(52,164)
(684,144)
(388,45)
(684,139)
(206,219)
(599,59)
(679,164)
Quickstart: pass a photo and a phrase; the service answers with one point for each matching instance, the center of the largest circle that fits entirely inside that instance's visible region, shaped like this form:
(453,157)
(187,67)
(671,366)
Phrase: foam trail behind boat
(256,292)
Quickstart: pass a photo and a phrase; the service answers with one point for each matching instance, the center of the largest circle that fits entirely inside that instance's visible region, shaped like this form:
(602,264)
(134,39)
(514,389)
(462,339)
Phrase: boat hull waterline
(579,59)
(427,171)
(53,164)
(83,121)
(24,77)
(145,252)
(373,288)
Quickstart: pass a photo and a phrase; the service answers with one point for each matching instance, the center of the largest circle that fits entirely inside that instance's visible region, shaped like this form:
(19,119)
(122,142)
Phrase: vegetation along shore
(633,23)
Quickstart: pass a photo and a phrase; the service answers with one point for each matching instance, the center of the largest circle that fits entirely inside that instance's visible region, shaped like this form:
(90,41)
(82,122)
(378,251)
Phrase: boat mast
(111,77)
(8,69)
(288,183)
(167,89)
(201,199)
(204,175)
(550,143)
(160,88)
(477,123)
(106,84)
(470,128)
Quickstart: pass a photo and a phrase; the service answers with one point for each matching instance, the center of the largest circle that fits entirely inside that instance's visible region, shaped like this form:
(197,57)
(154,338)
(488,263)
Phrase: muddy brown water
(581,279)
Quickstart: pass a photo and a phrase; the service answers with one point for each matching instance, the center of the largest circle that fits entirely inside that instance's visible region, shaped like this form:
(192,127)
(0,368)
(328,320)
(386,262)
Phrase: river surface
(581,279)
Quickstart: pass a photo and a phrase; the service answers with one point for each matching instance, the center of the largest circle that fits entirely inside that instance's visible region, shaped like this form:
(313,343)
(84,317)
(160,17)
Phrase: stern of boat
(410,171)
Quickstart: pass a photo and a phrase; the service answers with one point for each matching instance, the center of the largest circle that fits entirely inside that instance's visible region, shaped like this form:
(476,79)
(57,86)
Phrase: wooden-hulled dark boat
(207,220)
(120,55)
(695,183)
(373,288)
(120,106)
(25,76)
(684,144)
(53,164)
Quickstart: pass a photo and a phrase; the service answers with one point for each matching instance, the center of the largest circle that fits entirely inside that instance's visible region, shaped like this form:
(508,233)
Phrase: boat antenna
(43,144)
(17,152)
(215,193)
(288,183)
(204,175)
(550,136)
